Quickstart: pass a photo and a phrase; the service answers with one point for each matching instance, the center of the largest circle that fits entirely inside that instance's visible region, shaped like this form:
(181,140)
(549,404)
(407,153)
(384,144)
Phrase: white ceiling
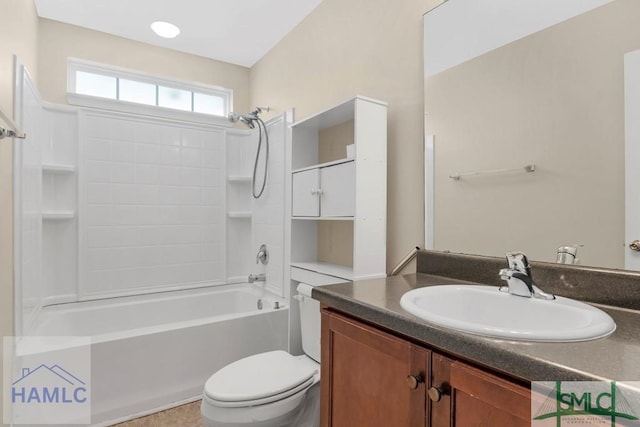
(235,31)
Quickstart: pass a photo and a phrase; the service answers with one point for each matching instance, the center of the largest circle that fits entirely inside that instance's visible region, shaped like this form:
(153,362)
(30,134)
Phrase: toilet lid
(259,377)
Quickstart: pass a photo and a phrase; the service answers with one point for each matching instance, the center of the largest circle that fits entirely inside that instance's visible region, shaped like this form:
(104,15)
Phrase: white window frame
(74,65)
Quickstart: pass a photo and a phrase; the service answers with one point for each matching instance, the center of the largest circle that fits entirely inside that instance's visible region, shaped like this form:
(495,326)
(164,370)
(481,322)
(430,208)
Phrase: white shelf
(238,179)
(323,165)
(58,215)
(334,270)
(239,214)
(58,169)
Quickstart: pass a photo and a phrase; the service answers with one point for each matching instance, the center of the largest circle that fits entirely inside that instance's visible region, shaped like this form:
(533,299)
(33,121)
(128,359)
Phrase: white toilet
(272,389)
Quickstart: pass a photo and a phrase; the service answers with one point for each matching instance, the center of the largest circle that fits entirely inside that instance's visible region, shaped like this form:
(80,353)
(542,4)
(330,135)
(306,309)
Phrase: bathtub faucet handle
(262,255)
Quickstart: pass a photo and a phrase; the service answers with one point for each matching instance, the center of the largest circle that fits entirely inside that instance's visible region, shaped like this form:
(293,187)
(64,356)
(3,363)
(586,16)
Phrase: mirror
(553,98)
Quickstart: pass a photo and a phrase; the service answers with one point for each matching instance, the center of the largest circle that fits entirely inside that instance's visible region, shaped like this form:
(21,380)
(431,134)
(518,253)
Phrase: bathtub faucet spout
(257,278)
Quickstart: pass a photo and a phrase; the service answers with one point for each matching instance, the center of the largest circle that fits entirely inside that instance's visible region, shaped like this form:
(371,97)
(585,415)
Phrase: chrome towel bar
(526,168)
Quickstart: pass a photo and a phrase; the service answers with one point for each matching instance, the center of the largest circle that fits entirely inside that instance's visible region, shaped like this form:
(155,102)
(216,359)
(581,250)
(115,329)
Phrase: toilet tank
(309,321)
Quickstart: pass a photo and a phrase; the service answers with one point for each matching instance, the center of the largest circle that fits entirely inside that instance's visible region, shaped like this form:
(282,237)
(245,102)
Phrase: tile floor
(182,416)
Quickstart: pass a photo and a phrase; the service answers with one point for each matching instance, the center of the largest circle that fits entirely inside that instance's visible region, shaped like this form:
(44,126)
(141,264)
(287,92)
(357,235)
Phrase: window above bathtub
(95,85)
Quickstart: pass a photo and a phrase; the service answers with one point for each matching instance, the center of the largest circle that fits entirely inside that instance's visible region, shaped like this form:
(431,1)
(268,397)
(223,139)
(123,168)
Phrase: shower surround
(122,215)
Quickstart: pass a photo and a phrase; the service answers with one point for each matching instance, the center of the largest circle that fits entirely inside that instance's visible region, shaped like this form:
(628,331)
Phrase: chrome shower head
(247,119)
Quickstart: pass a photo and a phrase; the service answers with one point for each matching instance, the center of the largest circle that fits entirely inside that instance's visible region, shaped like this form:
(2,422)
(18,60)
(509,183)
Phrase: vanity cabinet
(364,376)
(373,378)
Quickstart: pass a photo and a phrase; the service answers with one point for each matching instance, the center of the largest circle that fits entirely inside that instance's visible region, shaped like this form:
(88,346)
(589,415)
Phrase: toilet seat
(259,379)
(265,400)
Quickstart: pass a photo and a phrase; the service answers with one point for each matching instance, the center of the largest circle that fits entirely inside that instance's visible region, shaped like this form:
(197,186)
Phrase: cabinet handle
(413,381)
(314,192)
(435,393)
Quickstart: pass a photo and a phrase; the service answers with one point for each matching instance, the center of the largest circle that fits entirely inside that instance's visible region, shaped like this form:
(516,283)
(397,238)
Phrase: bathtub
(156,351)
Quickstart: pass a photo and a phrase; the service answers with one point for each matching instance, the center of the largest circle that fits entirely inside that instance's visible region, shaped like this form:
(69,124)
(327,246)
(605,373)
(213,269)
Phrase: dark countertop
(377,301)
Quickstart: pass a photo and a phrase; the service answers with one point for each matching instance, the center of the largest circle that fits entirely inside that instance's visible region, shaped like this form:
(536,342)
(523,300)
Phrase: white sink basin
(484,310)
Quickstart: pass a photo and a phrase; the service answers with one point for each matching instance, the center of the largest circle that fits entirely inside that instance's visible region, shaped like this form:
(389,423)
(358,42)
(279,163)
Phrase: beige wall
(371,48)
(57,41)
(556,99)
(18,35)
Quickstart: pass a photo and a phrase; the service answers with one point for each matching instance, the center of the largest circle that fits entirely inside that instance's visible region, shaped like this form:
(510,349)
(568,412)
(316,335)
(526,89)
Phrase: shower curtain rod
(13,132)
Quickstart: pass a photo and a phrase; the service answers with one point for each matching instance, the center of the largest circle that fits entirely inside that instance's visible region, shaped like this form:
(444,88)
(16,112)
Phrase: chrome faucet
(257,278)
(262,255)
(518,278)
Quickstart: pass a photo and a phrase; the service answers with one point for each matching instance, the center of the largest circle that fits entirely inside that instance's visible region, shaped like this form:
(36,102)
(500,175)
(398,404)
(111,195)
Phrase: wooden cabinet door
(439,393)
(364,377)
(474,398)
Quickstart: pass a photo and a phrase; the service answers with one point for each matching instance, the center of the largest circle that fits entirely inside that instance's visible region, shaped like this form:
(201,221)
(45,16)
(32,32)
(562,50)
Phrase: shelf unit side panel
(370,222)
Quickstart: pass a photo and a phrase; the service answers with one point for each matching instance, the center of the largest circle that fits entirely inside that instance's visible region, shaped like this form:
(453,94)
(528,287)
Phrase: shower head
(247,119)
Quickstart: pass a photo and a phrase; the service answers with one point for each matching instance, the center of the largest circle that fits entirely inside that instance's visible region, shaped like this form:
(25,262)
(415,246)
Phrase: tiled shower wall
(152,205)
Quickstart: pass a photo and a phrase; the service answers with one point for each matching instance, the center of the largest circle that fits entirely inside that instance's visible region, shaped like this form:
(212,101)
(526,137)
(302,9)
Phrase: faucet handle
(262,255)
(518,261)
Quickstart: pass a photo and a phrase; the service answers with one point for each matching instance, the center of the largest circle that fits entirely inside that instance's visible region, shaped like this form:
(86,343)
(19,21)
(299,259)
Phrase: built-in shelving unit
(326,189)
(60,205)
(337,217)
(59,191)
(239,152)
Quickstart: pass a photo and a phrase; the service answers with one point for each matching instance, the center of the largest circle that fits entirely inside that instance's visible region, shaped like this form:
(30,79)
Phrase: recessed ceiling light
(165,29)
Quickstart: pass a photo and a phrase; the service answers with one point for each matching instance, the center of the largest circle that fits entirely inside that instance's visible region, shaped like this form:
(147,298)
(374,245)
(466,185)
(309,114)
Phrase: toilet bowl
(272,389)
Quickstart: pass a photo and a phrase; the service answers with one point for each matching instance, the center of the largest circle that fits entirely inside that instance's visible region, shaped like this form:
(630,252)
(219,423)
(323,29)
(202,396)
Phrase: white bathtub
(155,351)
